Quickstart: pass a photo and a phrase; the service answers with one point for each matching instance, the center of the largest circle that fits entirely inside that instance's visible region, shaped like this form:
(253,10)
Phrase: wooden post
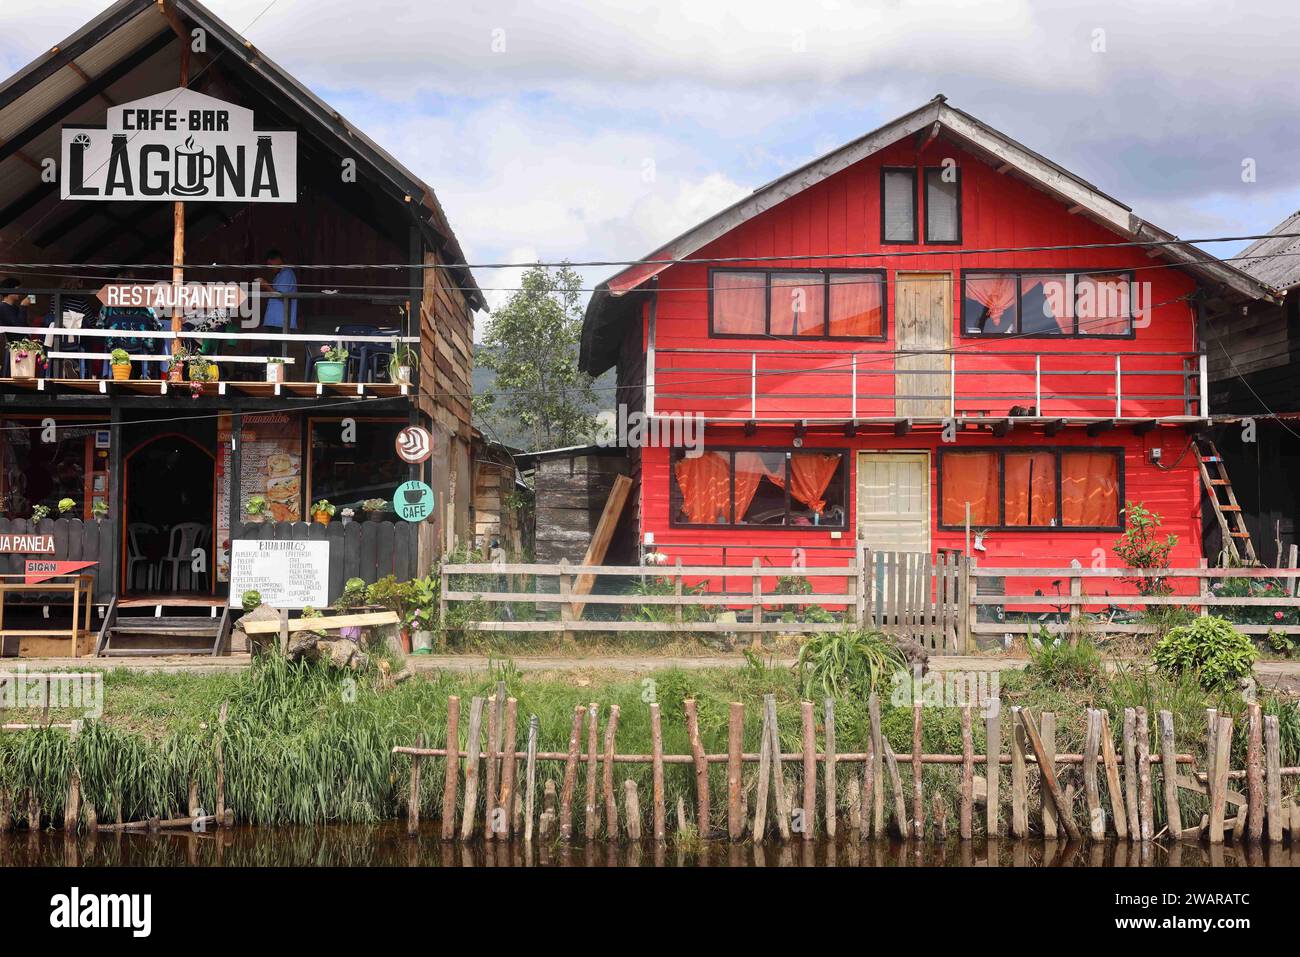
(218,750)
(701,768)
(1273,774)
(878,754)
(809,770)
(570,775)
(1219,783)
(1048,733)
(993,767)
(778,778)
(900,803)
(1092,794)
(566,609)
(530,772)
(677,591)
(611,806)
(632,810)
(828,784)
(757,583)
(72,808)
(591,819)
(1146,802)
(413,798)
(1254,774)
(490,776)
(1048,773)
(657,770)
(1131,775)
(1019,778)
(472,746)
(966,811)
(735,747)
(868,790)
(1169,774)
(759,828)
(1113,789)
(509,799)
(918,798)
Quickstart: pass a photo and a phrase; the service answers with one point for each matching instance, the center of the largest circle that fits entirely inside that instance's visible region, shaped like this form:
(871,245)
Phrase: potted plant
(121,362)
(99,510)
(401,363)
(332,364)
(25,357)
(255,509)
(374,508)
(200,370)
(66,505)
(39,514)
(176,366)
(322,511)
(347,515)
(275,369)
(250,600)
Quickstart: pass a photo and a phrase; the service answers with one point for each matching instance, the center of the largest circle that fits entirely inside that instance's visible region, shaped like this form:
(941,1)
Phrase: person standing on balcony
(12,313)
(283,283)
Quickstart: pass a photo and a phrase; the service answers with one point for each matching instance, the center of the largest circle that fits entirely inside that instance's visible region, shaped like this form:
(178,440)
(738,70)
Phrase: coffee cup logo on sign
(192,168)
(414,445)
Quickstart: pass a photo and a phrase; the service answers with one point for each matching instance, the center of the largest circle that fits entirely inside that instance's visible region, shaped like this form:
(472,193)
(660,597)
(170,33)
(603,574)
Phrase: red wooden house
(1004,338)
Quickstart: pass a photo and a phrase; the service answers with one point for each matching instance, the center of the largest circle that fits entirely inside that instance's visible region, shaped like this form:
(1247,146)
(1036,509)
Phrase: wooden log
(900,804)
(1092,793)
(808,822)
(867,796)
(1114,792)
(530,773)
(33,810)
(967,807)
(1273,776)
(490,771)
(853,799)
(509,797)
(72,806)
(781,796)
(682,822)
(631,810)
(828,766)
(1254,773)
(702,811)
(735,748)
(918,797)
(878,778)
(219,755)
(6,811)
(1219,786)
(1048,772)
(1019,779)
(1169,772)
(546,823)
(570,774)
(1047,725)
(1146,800)
(758,830)
(1131,775)
(657,773)
(413,797)
(939,814)
(611,805)
(472,746)
(453,769)
(992,767)
(591,819)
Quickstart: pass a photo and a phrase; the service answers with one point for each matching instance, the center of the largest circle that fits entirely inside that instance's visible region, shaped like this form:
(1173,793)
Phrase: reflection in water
(388,845)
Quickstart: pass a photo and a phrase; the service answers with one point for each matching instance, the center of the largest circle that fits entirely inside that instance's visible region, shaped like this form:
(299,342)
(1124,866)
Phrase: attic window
(943,205)
(898,205)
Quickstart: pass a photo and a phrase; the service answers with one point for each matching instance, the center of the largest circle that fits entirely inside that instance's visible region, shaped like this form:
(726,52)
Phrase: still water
(387,845)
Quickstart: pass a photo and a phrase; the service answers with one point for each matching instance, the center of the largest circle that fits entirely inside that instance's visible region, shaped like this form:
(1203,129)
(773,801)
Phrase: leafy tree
(531,344)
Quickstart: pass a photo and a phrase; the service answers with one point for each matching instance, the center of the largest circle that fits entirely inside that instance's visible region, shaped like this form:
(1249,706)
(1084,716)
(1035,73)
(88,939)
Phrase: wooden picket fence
(876,804)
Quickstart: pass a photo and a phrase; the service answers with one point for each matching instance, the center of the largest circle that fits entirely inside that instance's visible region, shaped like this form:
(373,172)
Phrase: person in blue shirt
(285,282)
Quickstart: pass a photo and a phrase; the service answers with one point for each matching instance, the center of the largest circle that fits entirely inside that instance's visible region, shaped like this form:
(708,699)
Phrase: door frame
(123,497)
(929,491)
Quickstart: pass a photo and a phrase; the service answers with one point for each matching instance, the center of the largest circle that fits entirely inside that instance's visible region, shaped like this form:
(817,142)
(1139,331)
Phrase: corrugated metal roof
(1279,265)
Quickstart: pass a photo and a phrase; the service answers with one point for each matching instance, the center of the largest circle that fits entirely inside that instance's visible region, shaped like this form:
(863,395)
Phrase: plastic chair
(369,354)
(176,566)
(137,561)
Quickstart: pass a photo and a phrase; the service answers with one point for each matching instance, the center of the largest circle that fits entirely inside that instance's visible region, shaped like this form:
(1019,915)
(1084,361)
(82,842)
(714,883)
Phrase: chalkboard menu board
(287,574)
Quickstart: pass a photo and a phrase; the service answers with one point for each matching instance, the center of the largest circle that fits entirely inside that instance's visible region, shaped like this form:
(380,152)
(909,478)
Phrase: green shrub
(1058,663)
(846,664)
(1209,648)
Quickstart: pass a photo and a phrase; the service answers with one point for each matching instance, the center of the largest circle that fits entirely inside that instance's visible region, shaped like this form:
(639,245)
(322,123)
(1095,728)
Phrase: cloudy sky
(560,128)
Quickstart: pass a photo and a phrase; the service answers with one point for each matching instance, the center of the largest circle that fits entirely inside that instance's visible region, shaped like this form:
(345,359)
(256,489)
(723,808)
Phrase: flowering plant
(333,354)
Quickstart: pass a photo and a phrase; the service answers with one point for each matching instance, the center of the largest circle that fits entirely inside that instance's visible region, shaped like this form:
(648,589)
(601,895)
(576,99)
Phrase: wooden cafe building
(185,229)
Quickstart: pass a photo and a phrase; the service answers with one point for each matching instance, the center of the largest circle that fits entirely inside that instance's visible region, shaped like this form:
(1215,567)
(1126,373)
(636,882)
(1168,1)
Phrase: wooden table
(42,643)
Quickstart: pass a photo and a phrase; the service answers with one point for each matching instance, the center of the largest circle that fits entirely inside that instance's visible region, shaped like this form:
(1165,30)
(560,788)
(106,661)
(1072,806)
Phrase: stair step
(173,632)
(1229,508)
(149,621)
(1211,458)
(1219,482)
(153,652)
(1240,534)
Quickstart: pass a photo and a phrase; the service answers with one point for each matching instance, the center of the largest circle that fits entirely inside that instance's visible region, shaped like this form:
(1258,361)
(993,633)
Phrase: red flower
(1277,616)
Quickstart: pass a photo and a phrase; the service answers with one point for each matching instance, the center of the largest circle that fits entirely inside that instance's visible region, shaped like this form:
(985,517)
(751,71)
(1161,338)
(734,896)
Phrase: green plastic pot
(330,371)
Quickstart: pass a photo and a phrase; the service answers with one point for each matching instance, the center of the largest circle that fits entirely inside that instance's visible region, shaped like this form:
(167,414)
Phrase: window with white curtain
(943,205)
(898,205)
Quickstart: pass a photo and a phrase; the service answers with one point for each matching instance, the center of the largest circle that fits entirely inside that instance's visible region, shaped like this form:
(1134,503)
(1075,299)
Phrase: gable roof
(611,303)
(141,36)
(1279,255)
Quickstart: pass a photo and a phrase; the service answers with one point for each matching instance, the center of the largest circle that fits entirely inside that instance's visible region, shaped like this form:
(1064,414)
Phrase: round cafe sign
(413,501)
(414,444)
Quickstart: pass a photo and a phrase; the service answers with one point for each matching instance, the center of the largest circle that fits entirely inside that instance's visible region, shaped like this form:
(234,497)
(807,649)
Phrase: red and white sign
(414,444)
(39,569)
(26,544)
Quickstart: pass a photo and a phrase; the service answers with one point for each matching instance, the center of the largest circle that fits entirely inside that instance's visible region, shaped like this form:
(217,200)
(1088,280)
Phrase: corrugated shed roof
(1279,262)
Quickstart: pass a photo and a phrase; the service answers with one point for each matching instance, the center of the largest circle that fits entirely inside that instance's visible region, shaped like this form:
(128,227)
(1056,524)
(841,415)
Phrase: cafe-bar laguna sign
(179,145)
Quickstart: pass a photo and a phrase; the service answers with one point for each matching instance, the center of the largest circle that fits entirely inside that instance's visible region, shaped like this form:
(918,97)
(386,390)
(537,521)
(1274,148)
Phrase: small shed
(502,503)
(570,487)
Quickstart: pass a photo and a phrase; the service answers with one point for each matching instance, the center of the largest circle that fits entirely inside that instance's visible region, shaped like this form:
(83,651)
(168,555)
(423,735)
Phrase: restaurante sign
(179,145)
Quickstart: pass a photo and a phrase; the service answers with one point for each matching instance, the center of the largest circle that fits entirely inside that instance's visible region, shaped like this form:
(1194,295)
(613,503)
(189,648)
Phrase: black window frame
(1058,450)
(673,500)
(826,284)
(925,184)
(1015,332)
(916,208)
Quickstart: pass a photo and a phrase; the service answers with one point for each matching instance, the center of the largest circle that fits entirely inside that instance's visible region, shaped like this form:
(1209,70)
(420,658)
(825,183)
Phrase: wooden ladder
(1214,476)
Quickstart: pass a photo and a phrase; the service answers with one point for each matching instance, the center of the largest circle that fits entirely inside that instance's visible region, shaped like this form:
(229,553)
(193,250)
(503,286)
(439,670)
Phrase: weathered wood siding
(1253,357)
(365,550)
(74,541)
(571,494)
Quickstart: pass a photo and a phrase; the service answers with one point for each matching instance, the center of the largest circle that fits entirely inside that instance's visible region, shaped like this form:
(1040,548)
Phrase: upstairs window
(898,205)
(1032,488)
(1083,304)
(943,205)
(798,304)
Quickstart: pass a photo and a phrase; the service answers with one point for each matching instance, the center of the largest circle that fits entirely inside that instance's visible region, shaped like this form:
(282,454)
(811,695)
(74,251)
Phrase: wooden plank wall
(571,493)
(365,550)
(74,541)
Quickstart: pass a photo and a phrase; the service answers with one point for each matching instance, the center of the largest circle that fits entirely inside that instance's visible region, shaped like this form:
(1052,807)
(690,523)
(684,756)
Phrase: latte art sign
(179,145)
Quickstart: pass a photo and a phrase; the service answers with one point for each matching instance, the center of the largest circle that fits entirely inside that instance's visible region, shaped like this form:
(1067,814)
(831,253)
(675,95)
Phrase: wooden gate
(917,596)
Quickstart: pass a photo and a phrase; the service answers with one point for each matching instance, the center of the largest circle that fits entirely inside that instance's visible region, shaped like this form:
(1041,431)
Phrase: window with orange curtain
(759,487)
(1029,488)
(760,495)
(703,489)
(1104,303)
(857,304)
(969,477)
(798,304)
(740,303)
(1090,489)
(989,303)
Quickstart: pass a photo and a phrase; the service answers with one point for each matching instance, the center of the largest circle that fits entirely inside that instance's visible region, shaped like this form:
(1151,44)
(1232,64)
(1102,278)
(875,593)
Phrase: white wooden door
(894,501)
